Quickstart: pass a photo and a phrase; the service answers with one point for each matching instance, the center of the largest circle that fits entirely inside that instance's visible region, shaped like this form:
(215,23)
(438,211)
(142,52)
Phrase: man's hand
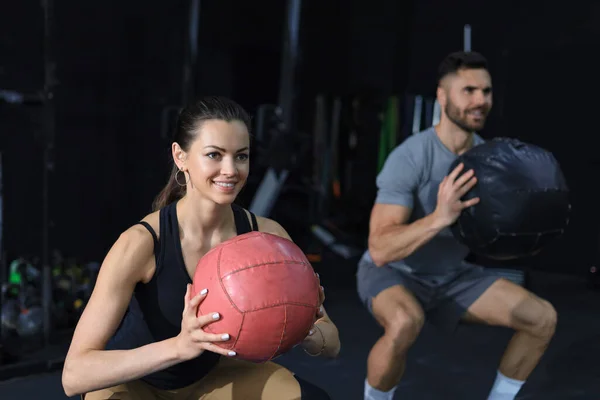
(450,193)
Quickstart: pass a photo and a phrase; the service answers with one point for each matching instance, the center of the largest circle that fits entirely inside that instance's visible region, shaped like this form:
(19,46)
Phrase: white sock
(505,388)
(375,394)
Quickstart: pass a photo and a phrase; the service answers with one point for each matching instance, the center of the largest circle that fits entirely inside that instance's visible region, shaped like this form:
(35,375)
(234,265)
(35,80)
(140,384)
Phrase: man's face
(466,98)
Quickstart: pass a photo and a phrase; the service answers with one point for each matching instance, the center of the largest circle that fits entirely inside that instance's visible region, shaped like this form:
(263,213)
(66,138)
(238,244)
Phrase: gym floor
(461,366)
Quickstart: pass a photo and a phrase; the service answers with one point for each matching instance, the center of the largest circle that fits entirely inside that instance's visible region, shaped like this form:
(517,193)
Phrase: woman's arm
(88,366)
(325,340)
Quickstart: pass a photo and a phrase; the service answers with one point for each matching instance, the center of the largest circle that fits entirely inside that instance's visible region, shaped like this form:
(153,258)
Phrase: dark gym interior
(89,93)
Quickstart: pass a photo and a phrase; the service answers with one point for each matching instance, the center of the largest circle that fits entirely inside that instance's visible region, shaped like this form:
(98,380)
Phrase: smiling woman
(219,157)
(140,335)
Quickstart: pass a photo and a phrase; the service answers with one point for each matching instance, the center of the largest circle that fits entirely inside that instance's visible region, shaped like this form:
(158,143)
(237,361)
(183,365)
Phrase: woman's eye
(242,157)
(213,155)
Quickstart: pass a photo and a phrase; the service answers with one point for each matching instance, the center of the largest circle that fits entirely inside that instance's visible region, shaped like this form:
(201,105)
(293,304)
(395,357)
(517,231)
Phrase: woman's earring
(177,178)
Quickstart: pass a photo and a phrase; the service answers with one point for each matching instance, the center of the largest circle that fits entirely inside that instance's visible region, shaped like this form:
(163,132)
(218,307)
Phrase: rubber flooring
(460,366)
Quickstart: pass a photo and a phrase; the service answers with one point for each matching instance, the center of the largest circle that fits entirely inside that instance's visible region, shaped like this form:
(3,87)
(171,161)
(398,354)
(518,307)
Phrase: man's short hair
(461,60)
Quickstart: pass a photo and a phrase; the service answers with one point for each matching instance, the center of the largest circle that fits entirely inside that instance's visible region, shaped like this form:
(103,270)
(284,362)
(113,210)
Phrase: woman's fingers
(208,318)
(219,350)
(191,308)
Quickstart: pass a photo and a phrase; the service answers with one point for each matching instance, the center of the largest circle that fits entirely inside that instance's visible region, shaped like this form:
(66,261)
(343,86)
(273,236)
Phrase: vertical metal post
(3,274)
(289,64)
(189,72)
(2,271)
(466,47)
(268,191)
(467,38)
(191,57)
(48,166)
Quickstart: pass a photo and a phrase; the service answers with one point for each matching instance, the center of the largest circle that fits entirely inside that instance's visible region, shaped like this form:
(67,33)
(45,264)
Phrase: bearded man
(415,270)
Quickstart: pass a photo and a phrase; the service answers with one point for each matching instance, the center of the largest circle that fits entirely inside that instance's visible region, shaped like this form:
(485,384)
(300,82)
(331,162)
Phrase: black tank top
(154,313)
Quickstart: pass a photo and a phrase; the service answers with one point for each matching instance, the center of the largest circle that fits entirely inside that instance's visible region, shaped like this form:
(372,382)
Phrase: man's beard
(460,119)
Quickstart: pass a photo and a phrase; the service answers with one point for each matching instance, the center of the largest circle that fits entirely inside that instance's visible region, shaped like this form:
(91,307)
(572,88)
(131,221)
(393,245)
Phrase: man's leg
(397,310)
(402,318)
(534,320)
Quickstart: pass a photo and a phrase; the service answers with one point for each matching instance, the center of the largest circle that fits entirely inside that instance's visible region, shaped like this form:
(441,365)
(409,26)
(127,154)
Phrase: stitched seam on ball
(222,284)
(287,303)
(262,264)
(237,337)
(282,332)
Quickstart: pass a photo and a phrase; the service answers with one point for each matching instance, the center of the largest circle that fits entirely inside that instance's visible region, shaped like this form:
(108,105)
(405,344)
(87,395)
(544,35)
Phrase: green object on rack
(14,276)
(388,133)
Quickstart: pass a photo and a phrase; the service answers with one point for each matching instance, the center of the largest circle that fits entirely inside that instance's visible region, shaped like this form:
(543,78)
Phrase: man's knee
(546,323)
(540,319)
(400,314)
(404,327)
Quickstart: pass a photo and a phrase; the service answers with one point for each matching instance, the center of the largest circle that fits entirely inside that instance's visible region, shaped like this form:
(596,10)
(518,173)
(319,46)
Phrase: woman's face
(217,163)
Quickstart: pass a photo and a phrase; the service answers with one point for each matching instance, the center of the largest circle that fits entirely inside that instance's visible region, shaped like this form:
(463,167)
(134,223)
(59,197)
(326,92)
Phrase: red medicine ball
(265,290)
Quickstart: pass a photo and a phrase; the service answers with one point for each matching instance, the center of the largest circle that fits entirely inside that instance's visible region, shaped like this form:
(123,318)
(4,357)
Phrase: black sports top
(155,310)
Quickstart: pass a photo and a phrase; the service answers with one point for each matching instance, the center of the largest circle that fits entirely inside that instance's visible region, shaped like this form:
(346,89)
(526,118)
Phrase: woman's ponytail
(171,192)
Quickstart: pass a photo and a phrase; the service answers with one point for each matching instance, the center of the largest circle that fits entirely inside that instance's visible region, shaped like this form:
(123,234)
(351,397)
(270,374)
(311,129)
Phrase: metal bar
(48,166)
(27,99)
(2,270)
(191,56)
(268,191)
(416,126)
(289,64)
(466,47)
(3,274)
(467,38)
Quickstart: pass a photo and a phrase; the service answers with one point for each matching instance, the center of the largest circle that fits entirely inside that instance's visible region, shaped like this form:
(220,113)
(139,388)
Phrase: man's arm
(392,238)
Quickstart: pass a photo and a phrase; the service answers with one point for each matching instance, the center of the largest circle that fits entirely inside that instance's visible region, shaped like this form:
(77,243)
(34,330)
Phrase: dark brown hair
(188,125)
(461,60)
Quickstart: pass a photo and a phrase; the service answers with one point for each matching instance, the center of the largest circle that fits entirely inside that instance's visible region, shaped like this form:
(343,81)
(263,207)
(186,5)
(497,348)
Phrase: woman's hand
(192,340)
(314,343)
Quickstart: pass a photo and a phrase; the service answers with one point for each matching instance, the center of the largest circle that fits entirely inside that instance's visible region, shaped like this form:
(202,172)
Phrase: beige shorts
(229,380)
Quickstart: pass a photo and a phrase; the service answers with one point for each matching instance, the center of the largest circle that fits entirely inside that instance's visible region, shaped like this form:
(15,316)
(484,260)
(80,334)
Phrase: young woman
(139,337)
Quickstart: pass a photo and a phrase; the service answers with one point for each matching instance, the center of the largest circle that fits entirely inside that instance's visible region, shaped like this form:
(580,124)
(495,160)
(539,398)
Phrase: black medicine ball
(524,199)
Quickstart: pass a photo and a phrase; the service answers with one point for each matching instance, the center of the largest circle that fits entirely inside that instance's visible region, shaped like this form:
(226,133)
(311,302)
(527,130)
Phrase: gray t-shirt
(411,177)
